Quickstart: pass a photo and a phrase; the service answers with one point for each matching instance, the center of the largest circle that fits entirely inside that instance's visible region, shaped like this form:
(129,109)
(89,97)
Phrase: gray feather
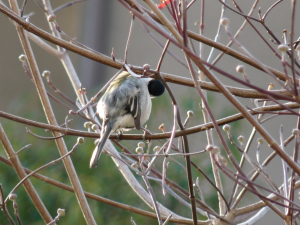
(125,104)
(135,110)
(98,149)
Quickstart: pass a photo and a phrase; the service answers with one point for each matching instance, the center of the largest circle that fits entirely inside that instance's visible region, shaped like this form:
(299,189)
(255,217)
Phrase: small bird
(126,104)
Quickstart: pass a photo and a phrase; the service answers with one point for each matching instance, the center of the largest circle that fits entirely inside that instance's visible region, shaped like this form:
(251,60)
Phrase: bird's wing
(126,99)
(135,110)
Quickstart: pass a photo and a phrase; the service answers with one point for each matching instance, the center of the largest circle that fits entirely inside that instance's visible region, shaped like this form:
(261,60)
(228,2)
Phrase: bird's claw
(144,136)
(119,135)
(146,131)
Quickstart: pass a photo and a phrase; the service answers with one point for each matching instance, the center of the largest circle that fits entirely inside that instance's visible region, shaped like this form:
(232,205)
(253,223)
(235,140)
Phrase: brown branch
(255,175)
(115,64)
(15,162)
(260,204)
(216,45)
(240,92)
(67,5)
(51,119)
(4,208)
(24,179)
(247,93)
(99,198)
(187,131)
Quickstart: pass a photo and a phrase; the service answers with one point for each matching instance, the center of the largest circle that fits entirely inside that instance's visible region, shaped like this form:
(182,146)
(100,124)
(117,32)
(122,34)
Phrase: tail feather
(98,149)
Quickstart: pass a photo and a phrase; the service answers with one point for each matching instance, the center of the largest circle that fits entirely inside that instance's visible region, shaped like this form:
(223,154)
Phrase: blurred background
(103,26)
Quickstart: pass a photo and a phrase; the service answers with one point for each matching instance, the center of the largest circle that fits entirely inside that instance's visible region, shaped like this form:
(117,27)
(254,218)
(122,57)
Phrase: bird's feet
(146,131)
(120,132)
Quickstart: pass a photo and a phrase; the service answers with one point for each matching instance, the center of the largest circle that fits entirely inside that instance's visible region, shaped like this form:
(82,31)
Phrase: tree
(168,24)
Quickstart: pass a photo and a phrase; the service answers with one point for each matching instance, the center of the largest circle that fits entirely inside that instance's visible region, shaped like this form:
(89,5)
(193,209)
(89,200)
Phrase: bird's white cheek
(146,110)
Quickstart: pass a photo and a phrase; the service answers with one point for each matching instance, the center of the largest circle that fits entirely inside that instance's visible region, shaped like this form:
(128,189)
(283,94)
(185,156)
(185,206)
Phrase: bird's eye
(156,88)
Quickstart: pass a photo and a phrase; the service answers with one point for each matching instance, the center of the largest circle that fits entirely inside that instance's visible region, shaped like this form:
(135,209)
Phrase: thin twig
(14,159)
(44,138)
(43,167)
(23,8)
(96,197)
(114,63)
(66,5)
(187,131)
(3,207)
(128,40)
(162,56)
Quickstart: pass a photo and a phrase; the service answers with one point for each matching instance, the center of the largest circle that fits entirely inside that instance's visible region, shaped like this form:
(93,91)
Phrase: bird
(126,104)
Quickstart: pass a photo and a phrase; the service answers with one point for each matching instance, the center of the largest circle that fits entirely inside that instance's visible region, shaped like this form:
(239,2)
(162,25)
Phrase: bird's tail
(98,149)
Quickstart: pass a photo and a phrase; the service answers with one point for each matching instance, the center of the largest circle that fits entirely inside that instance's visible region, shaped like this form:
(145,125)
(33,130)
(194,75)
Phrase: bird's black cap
(156,88)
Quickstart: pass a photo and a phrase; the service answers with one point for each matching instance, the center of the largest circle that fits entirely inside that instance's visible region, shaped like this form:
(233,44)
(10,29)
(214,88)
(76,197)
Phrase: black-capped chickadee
(126,104)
